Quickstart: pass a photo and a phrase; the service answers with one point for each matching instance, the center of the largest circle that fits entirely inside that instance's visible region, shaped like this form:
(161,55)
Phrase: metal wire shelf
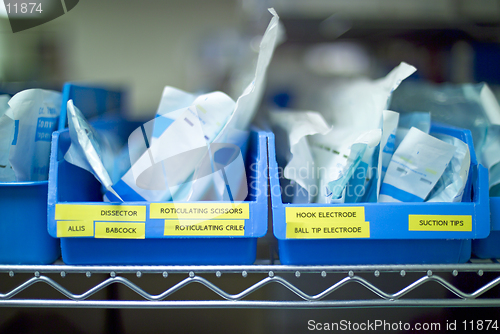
(335,279)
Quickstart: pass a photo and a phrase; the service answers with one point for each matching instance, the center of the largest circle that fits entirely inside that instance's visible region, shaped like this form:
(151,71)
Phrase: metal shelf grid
(334,280)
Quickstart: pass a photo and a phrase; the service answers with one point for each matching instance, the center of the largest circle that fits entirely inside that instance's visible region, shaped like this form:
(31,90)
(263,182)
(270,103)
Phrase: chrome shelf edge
(124,269)
(250,304)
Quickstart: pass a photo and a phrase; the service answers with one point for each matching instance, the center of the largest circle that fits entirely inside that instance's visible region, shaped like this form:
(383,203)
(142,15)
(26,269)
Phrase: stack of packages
(468,106)
(192,150)
(27,121)
(356,150)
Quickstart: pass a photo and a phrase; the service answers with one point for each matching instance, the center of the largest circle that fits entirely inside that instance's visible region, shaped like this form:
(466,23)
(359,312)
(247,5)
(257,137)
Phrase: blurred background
(199,46)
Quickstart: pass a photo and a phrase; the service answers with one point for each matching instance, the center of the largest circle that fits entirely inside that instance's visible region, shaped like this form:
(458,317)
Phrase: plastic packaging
(35,113)
(6,137)
(450,186)
(88,149)
(199,126)
(415,167)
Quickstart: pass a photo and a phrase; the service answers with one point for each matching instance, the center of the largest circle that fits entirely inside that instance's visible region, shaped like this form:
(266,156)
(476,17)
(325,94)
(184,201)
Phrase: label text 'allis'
(72,228)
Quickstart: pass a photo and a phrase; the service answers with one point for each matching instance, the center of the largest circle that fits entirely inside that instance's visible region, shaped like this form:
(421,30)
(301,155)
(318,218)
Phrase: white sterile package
(415,168)
(193,150)
(34,113)
(171,152)
(6,138)
(354,111)
(88,149)
(302,162)
(450,186)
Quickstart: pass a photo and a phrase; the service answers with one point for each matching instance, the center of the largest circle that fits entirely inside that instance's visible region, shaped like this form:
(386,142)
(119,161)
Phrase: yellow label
(75,228)
(436,223)
(199,211)
(325,214)
(120,230)
(322,230)
(134,213)
(204,227)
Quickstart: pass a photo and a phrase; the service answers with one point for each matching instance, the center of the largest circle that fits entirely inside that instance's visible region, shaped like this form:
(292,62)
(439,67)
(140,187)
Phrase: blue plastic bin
(489,248)
(382,233)
(23,228)
(24,238)
(71,187)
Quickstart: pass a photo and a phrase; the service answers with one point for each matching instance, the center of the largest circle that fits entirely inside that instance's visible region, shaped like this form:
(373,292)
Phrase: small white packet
(450,186)
(415,167)
(35,113)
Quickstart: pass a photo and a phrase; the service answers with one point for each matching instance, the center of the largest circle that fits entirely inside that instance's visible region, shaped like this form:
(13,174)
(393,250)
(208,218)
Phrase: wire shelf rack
(260,286)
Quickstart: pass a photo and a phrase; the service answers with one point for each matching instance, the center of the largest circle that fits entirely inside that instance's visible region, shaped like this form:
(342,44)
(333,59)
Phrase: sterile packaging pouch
(450,186)
(365,182)
(6,137)
(35,113)
(354,109)
(161,170)
(209,130)
(415,167)
(88,149)
(302,160)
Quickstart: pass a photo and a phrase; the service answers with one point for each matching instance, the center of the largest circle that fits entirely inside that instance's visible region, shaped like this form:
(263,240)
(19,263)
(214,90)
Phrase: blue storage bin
(382,233)
(24,238)
(75,210)
(489,248)
(23,228)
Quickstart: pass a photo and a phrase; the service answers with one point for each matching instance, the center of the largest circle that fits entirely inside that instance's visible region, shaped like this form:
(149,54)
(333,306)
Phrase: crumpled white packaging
(161,168)
(35,113)
(6,137)
(303,166)
(450,186)
(88,149)
(355,110)
(415,167)
(181,144)
(359,103)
